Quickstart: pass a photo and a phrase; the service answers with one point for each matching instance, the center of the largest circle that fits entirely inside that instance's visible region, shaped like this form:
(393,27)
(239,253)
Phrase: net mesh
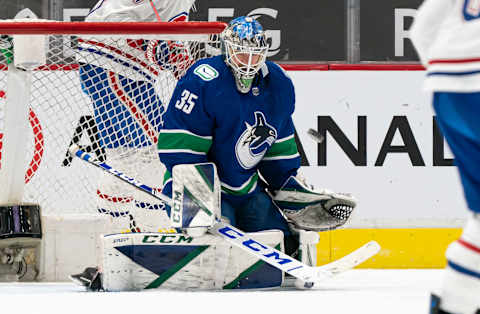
(107,95)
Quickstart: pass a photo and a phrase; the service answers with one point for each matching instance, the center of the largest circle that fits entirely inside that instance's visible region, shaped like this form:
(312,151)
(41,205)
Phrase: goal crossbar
(103,28)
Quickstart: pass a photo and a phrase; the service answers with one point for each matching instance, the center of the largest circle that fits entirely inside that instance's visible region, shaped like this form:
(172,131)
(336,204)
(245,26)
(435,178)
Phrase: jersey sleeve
(186,136)
(168,10)
(140,11)
(425,27)
(282,160)
(120,11)
(173,10)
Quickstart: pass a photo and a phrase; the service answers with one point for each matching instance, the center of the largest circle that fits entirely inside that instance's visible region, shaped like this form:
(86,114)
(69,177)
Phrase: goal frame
(19,27)
(17,80)
(54,259)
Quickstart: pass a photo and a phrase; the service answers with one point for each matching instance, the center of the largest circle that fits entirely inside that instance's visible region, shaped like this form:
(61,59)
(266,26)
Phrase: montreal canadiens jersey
(445,34)
(208,119)
(139,11)
(129,55)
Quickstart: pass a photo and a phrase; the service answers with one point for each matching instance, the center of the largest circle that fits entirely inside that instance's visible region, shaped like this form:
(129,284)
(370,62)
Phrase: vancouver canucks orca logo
(255,141)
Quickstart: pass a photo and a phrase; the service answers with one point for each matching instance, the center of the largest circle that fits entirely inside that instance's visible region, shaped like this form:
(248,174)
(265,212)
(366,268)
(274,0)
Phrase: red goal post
(45,104)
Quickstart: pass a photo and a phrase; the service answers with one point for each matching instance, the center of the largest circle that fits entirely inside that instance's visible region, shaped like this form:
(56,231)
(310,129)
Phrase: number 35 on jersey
(186,102)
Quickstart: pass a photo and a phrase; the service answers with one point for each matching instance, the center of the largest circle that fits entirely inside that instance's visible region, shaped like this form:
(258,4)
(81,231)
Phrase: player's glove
(310,209)
(172,56)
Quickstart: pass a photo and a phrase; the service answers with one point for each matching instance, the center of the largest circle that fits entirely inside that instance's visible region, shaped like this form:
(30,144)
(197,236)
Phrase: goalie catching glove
(309,209)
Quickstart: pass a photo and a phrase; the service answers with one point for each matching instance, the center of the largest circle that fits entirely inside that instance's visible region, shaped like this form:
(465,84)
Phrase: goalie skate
(90,278)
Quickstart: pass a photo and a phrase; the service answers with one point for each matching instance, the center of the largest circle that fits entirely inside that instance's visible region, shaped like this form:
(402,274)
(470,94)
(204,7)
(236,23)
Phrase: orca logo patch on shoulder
(206,72)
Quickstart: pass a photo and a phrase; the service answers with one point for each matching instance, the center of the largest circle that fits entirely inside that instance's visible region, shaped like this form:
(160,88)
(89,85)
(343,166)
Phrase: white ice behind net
(106,95)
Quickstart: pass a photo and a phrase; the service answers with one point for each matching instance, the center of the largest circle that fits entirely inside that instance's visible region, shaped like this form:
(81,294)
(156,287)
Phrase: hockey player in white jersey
(445,34)
(119,76)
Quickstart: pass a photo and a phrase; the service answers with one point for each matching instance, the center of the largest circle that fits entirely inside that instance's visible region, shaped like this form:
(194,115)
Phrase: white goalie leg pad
(114,197)
(196,197)
(139,261)
(307,251)
(149,213)
(245,271)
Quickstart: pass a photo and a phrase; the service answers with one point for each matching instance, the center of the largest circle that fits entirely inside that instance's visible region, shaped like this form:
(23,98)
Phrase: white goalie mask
(245,50)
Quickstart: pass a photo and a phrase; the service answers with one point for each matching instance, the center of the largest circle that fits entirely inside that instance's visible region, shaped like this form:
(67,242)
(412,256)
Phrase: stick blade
(72,150)
(348,262)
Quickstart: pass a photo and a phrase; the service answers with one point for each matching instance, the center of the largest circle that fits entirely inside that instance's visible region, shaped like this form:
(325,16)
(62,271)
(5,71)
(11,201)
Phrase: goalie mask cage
(100,85)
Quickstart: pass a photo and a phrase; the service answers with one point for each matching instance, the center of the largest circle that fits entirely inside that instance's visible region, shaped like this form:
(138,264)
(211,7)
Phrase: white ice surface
(356,291)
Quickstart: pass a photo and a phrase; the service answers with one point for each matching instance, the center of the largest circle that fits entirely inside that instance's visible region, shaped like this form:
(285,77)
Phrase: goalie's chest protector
(246,125)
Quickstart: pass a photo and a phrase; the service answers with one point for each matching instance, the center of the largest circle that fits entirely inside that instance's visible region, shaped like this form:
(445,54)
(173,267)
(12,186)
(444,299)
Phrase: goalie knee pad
(177,261)
(196,197)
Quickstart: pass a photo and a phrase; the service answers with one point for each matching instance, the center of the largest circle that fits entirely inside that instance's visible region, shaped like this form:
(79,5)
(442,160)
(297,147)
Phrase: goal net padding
(46,105)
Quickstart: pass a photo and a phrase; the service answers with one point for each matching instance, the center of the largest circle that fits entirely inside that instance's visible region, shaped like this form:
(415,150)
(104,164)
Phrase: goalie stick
(312,276)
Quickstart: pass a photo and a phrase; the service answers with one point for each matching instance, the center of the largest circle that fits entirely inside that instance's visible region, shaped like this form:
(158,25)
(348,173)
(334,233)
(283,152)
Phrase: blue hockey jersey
(208,119)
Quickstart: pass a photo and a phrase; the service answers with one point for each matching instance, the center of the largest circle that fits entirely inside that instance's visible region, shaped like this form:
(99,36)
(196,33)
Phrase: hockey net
(102,86)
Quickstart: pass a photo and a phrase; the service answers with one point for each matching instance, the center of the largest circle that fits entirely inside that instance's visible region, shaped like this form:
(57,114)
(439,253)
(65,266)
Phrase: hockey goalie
(228,145)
